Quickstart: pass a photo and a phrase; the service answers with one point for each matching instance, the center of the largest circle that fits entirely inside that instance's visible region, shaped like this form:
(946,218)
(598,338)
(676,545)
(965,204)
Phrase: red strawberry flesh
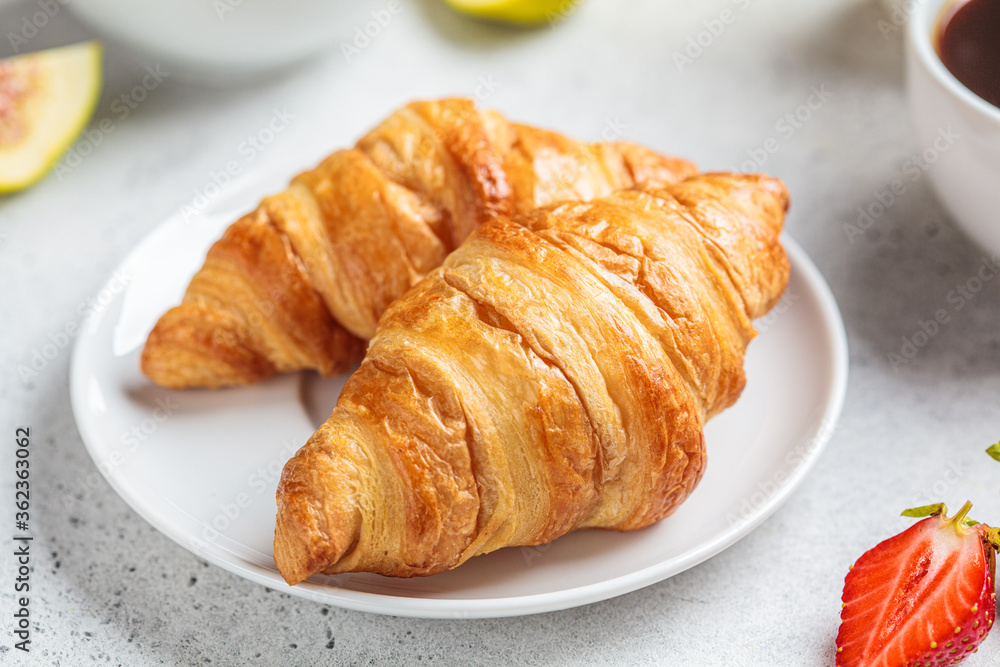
(923,597)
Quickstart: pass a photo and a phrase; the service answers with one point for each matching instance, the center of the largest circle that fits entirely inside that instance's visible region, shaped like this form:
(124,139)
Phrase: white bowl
(223,41)
(959,132)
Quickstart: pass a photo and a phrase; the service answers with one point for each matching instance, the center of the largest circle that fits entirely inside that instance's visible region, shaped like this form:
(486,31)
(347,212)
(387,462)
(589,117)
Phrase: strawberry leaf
(994,451)
(926,510)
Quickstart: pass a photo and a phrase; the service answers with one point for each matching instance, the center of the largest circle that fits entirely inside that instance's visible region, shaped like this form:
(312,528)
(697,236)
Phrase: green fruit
(520,12)
(46,99)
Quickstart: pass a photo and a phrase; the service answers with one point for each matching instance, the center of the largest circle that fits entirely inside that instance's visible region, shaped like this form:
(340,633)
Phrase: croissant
(300,282)
(554,374)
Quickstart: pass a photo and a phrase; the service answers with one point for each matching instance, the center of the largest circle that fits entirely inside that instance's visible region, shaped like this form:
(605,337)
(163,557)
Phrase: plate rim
(498,607)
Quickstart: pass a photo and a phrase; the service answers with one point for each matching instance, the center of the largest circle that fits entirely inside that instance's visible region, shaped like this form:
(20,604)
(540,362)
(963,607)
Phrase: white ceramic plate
(202,466)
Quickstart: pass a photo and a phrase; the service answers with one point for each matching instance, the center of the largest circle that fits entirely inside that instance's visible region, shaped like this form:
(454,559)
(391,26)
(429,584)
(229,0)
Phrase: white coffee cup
(959,132)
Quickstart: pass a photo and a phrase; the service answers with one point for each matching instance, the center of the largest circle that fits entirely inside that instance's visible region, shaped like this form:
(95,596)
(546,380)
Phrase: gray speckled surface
(109,589)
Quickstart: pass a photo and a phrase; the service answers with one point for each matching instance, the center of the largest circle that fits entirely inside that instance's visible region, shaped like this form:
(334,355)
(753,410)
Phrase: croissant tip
(290,549)
(300,549)
(316,524)
(190,346)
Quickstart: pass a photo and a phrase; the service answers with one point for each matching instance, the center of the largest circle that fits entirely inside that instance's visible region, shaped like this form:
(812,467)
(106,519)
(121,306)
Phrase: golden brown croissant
(297,283)
(554,374)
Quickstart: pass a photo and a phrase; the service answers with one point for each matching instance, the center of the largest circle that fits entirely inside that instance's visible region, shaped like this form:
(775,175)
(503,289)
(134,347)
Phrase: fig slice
(46,99)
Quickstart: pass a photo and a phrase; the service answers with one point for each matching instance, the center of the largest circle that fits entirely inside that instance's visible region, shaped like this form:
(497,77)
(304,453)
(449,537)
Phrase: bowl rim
(921,30)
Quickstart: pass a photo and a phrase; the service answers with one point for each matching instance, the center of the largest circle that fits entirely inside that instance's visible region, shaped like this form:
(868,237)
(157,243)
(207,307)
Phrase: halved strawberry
(923,597)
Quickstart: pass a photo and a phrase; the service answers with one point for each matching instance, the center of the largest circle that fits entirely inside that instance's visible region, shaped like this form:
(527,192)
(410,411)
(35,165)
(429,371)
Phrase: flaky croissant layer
(554,374)
(301,281)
